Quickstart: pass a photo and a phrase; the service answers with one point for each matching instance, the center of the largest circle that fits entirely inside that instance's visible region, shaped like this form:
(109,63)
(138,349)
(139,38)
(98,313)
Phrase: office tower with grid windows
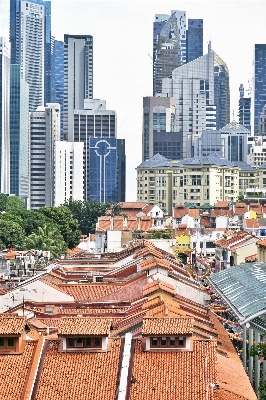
(30,37)
(4,116)
(19,134)
(258,98)
(78,78)
(104,156)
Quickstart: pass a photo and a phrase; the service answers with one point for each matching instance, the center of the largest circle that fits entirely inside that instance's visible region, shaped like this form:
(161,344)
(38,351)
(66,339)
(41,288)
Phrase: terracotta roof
(154,262)
(256,207)
(104,223)
(241,208)
(118,222)
(252,258)
(168,326)
(217,212)
(262,242)
(146,223)
(205,221)
(14,372)
(251,223)
(194,212)
(133,204)
(173,375)
(170,309)
(222,204)
(90,291)
(180,211)
(158,285)
(222,394)
(132,223)
(10,323)
(79,375)
(84,326)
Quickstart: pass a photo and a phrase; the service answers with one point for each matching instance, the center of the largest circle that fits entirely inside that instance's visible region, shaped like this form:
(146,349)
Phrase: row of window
(168,341)
(84,342)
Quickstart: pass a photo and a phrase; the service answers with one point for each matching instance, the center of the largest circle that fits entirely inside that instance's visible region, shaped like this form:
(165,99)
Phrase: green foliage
(14,205)
(67,225)
(262,391)
(33,220)
(87,212)
(3,200)
(47,238)
(11,235)
(161,234)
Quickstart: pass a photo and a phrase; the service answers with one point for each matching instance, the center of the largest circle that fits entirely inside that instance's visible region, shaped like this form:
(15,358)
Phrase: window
(84,342)
(166,341)
(7,342)
(2,342)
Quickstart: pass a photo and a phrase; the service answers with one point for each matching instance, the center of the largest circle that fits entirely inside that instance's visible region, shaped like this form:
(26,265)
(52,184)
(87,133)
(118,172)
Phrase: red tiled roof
(205,221)
(262,242)
(251,223)
(222,204)
(219,212)
(168,326)
(79,375)
(240,208)
(118,222)
(10,323)
(194,212)
(182,375)
(133,204)
(154,262)
(256,207)
(132,223)
(158,285)
(180,211)
(252,258)
(146,223)
(84,326)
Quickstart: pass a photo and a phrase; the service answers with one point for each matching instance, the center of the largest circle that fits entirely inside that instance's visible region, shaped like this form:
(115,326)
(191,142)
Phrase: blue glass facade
(103,169)
(259,83)
(19,134)
(59,79)
(194,39)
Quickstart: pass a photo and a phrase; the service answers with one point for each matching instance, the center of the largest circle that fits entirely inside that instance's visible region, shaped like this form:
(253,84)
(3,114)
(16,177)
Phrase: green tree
(3,200)
(87,212)
(11,235)
(33,220)
(68,226)
(47,238)
(14,205)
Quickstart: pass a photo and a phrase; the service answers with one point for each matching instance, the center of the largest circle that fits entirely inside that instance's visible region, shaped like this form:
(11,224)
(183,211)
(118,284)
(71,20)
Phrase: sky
(122,49)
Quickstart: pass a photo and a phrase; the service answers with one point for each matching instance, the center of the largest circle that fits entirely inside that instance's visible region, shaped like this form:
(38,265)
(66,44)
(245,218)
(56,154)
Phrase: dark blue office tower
(259,84)
(59,79)
(194,39)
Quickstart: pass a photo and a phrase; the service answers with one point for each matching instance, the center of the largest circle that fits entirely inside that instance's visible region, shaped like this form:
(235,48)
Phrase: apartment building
(198,180)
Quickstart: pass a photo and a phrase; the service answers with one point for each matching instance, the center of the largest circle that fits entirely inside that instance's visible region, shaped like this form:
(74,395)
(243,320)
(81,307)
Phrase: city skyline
(122,34)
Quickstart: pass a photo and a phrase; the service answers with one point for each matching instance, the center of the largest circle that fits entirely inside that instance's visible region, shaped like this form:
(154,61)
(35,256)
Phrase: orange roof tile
(222,204)
(146,223)
(219,213)
(241,208)
(168,326)
(10,323)
(251,223)
(173,375)
(154,262)
(194,212)
(79,375)
(84,326)
(180,211)
(158,285)
(133,204)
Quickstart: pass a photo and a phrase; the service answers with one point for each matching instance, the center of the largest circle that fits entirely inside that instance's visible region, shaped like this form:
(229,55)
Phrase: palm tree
(47,238)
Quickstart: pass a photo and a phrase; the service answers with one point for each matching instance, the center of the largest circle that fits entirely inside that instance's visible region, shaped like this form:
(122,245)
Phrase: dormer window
(168,342)
(13,334)
(84,333)
(7,343)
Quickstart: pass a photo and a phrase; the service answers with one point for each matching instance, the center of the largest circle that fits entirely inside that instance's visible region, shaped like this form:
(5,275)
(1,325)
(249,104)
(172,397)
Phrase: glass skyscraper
(259,85)
(30,37)
(59,79)
(194,39)
(221,92)
(4,116)
(19,134)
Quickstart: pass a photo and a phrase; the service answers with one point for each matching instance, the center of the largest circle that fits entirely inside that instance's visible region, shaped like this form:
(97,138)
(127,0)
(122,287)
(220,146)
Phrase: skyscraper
(244,104)
(259,85)
(30,37)
(19,134)
(169,46)
(59,79)
(4,116)
(78,77)
(44,131)
(194,45)
(221,92)
(174,45)
(95,122)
